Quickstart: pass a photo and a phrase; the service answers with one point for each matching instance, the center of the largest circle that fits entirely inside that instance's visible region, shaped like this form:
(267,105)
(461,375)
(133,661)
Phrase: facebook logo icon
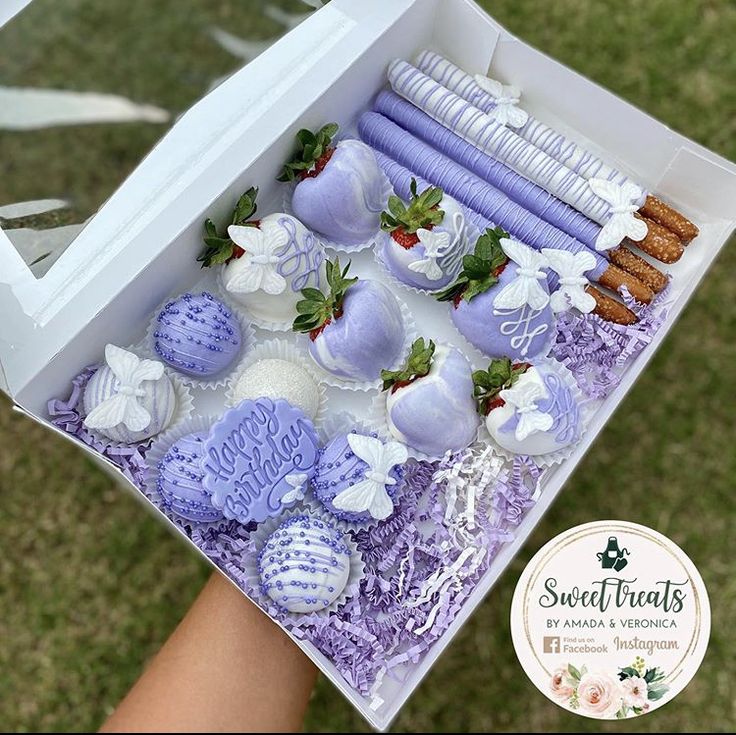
(551,644)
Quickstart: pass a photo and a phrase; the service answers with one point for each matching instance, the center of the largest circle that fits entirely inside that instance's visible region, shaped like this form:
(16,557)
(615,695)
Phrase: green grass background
(90,585)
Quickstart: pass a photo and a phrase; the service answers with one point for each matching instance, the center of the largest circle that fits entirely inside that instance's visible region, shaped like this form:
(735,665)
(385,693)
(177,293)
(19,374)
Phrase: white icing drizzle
(519,327)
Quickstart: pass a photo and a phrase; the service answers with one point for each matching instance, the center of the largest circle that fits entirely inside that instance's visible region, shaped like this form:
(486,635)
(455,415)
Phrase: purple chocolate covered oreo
(197,335)
(259,457)
(180,480)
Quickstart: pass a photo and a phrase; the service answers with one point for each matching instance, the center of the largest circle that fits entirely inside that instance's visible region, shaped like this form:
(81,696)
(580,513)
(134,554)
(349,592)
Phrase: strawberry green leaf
(487,384)
(481,269)
(318,308)
(422,210)
(416,366)
(310,147)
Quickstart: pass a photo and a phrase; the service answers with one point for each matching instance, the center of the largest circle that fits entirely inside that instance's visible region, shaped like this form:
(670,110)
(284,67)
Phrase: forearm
(227,667)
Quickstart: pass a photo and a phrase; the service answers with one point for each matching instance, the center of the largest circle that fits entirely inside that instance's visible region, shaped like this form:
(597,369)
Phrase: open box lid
(39,316)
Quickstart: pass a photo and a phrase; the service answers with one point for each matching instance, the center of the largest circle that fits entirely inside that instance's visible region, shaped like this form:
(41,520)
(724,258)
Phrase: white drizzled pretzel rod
(501,103)
(613,207)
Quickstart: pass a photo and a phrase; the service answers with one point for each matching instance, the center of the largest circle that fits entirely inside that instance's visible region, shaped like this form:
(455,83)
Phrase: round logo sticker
(610,620)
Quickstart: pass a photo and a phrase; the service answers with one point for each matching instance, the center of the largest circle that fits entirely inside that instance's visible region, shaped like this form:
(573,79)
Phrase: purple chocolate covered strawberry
(429,400)
(426,238)
(341,189)
(355,329)
(500,301)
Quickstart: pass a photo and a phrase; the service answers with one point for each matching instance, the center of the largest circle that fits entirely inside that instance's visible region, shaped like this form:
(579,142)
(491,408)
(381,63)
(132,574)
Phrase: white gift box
(142,244)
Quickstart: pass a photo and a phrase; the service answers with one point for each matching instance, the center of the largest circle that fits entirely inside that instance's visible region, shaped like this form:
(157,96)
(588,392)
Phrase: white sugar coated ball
(276,378)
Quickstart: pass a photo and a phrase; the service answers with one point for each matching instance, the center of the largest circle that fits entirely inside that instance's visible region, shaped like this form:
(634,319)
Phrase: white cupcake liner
(410,334)
(343,423)
(383,243)
(378,421)
(586,411)
(334,245)
(247,339)
(257,541)
(155,454)
(242,311)
(280,349)
(182,412)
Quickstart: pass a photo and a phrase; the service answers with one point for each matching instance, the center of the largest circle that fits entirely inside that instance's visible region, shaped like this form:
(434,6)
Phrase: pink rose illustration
(599,695)
(634,691)
(559,684)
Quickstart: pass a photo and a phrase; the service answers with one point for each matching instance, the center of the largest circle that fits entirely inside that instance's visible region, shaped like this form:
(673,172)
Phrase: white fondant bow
(122,407)
(370,494)
(571,268)
(507,97)
(526,288)
(622,198)
(523,397)
(298,483)
(257,269)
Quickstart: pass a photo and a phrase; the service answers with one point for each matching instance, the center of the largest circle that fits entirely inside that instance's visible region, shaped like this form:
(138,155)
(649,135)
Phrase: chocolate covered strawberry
(426,238)
(500,300)
(355,327)
(340,188)
(529,408)
(429,401)
(266,262)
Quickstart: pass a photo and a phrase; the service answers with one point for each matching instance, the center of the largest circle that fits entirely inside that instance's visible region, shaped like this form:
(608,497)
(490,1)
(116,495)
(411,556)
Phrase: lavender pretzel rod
(562,149)
(605,202)
(606,307)
(496,103)
(529,195)
(469,189)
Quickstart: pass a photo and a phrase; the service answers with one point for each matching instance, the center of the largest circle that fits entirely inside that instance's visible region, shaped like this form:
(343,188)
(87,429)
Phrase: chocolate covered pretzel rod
(479,196)
(497,100)
(529,195)
(605,202)
(606,307)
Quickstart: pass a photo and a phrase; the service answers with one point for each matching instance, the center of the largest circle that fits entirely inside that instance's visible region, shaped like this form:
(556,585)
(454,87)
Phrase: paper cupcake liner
(155,454)
(342,423)
(378,420)
(242,311)
(378,254)
(214,382)
(339,247)
(182,412)
(280,349)
(586,411)
(410,334)
(253,578)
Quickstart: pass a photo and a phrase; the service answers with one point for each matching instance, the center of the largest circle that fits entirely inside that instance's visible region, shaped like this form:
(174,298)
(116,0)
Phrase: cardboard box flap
(41,315)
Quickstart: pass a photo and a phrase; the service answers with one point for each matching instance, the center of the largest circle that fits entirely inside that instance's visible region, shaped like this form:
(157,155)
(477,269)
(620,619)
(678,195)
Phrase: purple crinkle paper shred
(595,350)
(417,574)
(421,564)
(66,415)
